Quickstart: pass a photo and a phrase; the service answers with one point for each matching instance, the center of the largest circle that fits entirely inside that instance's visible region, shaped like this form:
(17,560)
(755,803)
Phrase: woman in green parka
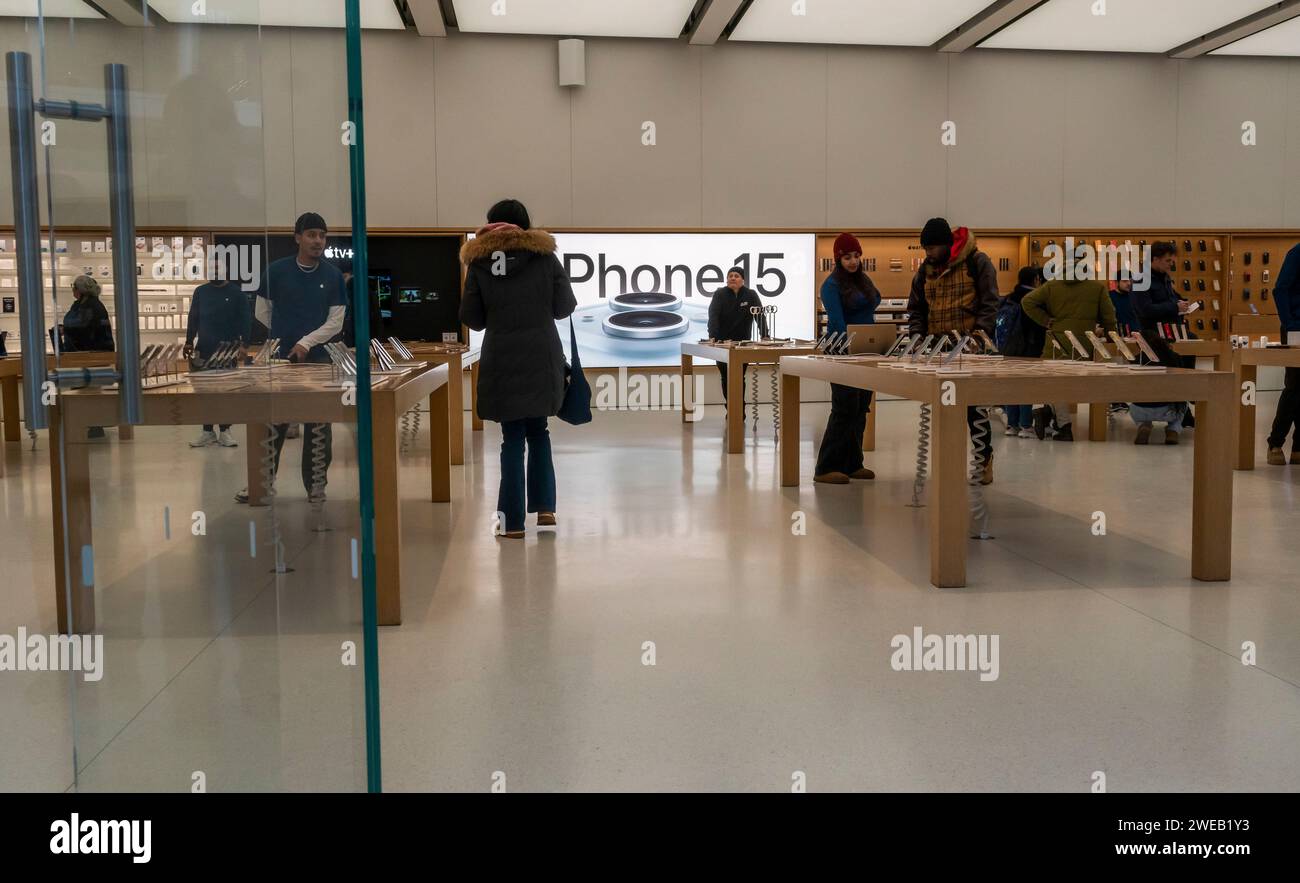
(1077,306)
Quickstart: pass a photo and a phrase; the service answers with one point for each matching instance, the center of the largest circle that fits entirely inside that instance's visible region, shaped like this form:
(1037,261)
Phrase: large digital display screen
(641,295)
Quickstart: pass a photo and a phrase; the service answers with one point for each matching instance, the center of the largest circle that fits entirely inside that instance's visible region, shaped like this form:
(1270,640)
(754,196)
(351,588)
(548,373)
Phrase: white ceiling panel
(1126,26)
(279,13)
(574,18)
(1283,40)
(52,9)
(857,22)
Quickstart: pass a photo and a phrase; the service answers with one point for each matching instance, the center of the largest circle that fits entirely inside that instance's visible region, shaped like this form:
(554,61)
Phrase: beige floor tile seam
(163,689)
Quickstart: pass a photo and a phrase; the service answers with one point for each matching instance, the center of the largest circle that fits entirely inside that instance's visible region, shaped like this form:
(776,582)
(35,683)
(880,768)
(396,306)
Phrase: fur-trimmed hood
(963,246)
(507,240)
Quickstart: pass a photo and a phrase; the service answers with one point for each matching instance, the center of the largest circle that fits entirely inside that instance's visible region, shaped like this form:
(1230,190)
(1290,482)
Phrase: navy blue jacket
(861,308)
(218,314)
(1157,305)
(1286,292)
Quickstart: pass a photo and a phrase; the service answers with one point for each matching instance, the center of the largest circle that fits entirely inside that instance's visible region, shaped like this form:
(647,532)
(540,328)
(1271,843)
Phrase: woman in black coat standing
(516,290)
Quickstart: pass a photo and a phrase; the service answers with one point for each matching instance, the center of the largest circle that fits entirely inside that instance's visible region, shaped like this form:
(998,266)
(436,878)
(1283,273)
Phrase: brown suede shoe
(832,478)
(1276,457)
(1171,437)
(1295,458)
(545,519)
(863,474)
(1144,434)
(986,474)
(512,534)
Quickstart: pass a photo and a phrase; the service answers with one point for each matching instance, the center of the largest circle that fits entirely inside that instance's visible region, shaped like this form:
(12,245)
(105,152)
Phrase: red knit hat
(845,243)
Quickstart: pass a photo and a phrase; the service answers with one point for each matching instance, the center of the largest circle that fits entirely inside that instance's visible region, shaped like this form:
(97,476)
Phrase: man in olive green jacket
(1077,306)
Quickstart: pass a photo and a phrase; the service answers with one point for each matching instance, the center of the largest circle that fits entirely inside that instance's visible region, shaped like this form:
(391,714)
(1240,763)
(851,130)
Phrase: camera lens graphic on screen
(645,324)
(645,300)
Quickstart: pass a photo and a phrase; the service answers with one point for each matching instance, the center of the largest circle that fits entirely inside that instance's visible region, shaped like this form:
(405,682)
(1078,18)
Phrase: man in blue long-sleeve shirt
(1286,294)
(220,314)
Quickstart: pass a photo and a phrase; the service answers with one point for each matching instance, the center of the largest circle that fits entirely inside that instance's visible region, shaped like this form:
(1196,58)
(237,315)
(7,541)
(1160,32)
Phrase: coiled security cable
(406,431)
(753,406)
(776,406)
(922,456)
(318,476)
(981,435)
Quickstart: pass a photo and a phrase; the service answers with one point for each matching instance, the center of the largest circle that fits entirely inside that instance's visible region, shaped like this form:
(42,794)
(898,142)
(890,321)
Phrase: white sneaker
(1028,433)
(206,437)
(226,440)
(1011,430)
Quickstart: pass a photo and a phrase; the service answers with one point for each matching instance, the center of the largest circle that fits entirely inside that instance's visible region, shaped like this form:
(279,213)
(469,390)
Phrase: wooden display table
(1210,355)
(1245,365)
(11,368)
(457,357)
(737,355)
(11,372)
(991,381)
(297,394)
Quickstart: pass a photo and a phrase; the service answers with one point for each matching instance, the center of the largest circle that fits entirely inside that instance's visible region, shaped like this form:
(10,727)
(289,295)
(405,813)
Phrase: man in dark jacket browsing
(730,317)
(956,289)
(1159,304)
(1286,294)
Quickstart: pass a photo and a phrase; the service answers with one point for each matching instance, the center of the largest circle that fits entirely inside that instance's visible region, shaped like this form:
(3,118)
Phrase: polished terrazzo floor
(524,660)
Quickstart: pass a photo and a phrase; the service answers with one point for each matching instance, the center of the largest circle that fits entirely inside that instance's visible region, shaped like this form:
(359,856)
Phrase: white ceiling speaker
(573,63)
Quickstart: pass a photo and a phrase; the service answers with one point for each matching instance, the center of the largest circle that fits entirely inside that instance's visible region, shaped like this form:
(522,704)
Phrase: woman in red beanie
(850,298)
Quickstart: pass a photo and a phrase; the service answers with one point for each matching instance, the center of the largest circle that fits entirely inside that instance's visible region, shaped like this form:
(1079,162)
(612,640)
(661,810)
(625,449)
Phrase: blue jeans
(1019,416)
(1172,415)
(540,484)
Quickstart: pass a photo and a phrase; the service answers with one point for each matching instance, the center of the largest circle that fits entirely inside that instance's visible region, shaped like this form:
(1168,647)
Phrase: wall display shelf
(169,266)
(1201,275)
(1255,262)
(892,261)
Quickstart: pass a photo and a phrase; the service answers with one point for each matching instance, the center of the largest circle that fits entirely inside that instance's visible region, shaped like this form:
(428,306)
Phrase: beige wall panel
(320,107)
(1221,182)
(617,180)
(204,125)
(886,165)
(764,136)
(502,129)
(1291,177)
(1005,170)
(401,179)
(1120,140)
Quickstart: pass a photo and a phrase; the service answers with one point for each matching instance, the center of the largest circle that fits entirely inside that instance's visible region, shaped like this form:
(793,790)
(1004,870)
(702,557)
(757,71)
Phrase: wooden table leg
(73,549)
(1212,485)
(869,435)
(1098,416)
(735,404)
(789,430)
(688,376)
(388,503)
(456,409)
(948,504)
(439,447)
(9,401)
(475,422)
(1245,430)
(254,435)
